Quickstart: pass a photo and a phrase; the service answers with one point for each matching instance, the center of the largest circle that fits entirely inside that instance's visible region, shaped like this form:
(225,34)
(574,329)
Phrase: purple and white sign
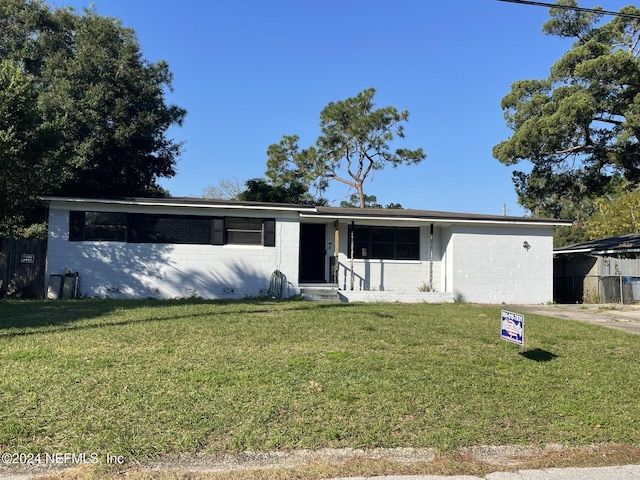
(512,327)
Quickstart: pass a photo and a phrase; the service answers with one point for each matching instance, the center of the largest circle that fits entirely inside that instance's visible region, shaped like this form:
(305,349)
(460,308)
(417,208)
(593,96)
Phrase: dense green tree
(579,128)
(370,201)
(22,139)
(563,236)
(287,163)
(102,103)
(261,190)
(615,216)
(394,206)
(354,142)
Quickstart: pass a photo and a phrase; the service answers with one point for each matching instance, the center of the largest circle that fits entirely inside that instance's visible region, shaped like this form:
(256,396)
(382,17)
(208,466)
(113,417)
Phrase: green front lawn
(140,378)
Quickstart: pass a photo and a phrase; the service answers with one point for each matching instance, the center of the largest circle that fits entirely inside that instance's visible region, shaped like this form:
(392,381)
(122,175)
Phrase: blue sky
(250,71)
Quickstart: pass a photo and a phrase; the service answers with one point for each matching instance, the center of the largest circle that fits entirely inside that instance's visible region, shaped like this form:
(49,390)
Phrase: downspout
(352,252)
(431,257)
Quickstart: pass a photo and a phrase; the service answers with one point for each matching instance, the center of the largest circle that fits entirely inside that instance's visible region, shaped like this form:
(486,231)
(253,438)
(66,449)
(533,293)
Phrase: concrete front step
(322,292)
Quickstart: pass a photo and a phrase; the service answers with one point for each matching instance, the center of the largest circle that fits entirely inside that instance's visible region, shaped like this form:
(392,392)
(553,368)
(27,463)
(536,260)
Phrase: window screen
(244,231)
(391,243)
(174,229)
(170,229)
(98,226)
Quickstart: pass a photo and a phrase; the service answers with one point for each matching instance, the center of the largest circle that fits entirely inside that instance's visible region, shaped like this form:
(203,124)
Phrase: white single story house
(182,247)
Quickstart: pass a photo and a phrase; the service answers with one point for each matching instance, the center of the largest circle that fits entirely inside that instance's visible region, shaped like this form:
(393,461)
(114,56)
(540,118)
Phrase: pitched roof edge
(313,211)
(431,215)
(181,202)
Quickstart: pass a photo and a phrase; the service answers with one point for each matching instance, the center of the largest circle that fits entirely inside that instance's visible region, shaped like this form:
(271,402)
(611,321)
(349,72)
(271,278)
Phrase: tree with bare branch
(579,128)
(354,142)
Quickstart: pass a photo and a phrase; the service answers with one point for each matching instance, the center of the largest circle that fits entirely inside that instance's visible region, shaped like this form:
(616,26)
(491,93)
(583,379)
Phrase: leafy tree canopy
(616,216)
(261,190)
(370,201)
(23,138)
(579,128)
(95,117)
(354,142)
(287,163)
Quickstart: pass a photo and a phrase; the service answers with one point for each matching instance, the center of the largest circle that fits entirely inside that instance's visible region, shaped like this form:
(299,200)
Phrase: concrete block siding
(142,270)
(470,257)
(391,275)
(481,264)
(492,264)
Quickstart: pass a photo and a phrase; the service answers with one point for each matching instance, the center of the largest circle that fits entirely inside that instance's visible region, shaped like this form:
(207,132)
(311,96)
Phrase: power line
(578,9)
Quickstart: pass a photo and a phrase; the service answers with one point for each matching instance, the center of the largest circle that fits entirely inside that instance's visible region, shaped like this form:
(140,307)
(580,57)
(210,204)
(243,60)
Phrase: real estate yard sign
(512,327)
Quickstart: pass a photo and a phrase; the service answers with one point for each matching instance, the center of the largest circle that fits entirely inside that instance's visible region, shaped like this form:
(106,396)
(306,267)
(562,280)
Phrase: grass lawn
(143,378)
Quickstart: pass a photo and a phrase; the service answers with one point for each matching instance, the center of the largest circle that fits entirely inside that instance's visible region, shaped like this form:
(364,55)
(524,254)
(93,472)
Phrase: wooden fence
(22,268)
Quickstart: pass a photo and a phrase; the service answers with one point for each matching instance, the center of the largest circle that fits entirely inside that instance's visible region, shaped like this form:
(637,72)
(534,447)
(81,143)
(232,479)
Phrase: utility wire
(578,9)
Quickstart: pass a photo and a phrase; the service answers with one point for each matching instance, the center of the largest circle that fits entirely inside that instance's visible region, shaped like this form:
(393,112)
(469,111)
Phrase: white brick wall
(477,263)
(490,264)
(391,275)
(130,270)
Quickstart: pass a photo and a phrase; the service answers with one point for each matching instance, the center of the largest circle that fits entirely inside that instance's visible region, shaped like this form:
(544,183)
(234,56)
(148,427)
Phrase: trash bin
(54,289)
(635,288)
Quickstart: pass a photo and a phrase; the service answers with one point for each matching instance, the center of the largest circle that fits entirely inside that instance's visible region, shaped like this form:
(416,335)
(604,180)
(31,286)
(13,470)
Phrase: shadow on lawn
(538,355)
(29,318)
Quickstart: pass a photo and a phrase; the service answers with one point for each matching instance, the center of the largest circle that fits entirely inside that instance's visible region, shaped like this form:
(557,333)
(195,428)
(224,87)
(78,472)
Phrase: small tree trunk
(360,192)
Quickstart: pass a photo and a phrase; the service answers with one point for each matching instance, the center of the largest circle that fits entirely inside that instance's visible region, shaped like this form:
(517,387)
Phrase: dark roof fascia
(181,202)
(429,215)
(310,211)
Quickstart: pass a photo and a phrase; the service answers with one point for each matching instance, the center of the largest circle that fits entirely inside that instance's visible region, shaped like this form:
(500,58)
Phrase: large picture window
(389,243)
(169,229)
(175,229)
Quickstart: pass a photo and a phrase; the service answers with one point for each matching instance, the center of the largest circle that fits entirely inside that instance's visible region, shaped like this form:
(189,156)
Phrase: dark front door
(312,252)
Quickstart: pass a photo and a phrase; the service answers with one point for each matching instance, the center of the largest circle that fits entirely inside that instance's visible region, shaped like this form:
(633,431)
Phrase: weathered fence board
(22,268)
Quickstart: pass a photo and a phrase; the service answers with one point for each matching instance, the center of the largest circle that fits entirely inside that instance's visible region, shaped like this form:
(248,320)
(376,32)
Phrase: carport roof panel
(623,243)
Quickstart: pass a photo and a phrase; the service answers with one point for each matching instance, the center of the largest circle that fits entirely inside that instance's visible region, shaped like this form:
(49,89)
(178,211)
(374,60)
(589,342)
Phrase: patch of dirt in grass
(349,462)
(292,459)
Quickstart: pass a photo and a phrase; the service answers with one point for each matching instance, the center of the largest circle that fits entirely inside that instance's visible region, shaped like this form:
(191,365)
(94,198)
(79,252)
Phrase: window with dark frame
(98,226)
(180,229)
(385,243)
(244,231)
(172,229)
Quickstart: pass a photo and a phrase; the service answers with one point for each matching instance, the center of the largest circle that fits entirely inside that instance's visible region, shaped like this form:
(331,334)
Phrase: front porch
(330,292)
(372,260)
(395,297)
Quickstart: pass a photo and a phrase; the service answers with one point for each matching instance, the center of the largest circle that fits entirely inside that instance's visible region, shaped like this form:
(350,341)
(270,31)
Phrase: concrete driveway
(621,317)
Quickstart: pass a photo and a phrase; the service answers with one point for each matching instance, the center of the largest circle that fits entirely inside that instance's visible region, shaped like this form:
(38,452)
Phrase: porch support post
(336,249)
(431,257)
(351,253)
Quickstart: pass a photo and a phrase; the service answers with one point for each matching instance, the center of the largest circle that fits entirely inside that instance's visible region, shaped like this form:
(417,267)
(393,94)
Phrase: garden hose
(277,283)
